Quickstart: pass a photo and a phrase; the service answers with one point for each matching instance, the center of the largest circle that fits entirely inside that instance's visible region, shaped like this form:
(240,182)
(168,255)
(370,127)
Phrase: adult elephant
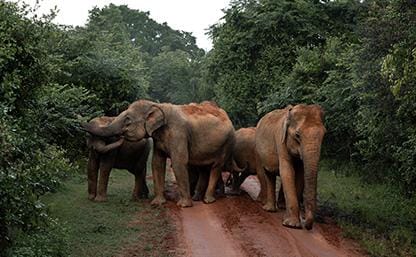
(289,141)
(106,153)
(194,134)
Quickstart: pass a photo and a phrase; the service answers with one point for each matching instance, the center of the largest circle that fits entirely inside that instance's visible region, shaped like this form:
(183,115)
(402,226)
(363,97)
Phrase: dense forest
(355,58)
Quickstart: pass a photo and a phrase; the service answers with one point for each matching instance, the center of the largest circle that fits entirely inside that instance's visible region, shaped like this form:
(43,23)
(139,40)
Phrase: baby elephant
(244,155)
(106,153)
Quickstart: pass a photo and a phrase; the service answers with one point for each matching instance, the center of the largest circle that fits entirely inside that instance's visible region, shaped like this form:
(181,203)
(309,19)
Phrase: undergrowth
(377,215)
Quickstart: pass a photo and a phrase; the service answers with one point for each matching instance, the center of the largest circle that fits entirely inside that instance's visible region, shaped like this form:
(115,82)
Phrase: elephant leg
(270,178)
(105,169)
(287,174)
(220,187)
(299,180)
(281,203)
(92,175)
(213,179)
(158,173)
(135,194)
(140,188)
(182,179)
(145,192)
(202,184)
(193,173)
(261,176)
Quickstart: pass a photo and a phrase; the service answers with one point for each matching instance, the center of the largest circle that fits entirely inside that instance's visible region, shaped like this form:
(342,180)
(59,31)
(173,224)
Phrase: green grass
(111,228)
(378,216)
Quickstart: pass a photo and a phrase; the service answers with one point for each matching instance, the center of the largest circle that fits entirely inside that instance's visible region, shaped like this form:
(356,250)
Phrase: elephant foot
(91,197)
(197,197)
(270,207)
(309,221)
(184,202)
(158,200)
(209,199)
(100,198)
(261,199)
(292,222)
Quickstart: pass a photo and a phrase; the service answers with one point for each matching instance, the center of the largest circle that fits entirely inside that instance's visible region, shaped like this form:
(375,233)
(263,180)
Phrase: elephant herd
(201,142)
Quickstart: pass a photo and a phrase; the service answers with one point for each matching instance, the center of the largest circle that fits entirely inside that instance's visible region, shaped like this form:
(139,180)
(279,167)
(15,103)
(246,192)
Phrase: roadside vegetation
(355,58)
(378,216)
(118,227)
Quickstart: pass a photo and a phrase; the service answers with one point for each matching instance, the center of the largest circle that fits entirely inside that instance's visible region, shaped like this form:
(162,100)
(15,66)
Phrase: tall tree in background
(172,58)
(356,58)
(255,48)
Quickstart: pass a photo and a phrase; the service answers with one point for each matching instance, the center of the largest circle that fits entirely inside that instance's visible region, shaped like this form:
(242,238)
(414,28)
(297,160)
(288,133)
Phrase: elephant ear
(286,123)
(154,120)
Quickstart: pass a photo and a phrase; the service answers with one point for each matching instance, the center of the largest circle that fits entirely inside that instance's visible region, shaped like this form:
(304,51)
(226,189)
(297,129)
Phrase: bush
(48,241)
(22,185)
(27,171)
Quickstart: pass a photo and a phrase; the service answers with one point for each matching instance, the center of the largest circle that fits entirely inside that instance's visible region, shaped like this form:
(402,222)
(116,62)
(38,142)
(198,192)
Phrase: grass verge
(119,227)
(378,216)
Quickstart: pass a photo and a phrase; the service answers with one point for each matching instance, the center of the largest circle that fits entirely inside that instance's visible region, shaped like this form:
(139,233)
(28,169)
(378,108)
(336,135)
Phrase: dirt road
(237,226)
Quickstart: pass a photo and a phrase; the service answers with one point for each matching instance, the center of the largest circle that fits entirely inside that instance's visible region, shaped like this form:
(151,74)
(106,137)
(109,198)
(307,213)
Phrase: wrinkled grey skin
(193,134)
(288,143)
(106,153)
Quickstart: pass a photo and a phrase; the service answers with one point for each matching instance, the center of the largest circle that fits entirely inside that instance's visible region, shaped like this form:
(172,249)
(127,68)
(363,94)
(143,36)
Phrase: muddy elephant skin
(288,142)
(106,153)
(193,134)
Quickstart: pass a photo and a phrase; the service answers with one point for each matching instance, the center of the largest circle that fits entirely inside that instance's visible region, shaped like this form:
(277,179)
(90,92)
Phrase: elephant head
(103,145)
(303,132)
(140,120)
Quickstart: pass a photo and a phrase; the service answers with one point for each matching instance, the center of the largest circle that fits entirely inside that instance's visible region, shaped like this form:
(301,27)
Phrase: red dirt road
(237,226)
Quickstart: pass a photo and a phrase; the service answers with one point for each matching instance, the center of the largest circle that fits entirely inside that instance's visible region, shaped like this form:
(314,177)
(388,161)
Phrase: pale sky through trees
(189,15)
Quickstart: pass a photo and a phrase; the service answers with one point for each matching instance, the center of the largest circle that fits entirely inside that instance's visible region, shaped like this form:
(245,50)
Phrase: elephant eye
(297,135)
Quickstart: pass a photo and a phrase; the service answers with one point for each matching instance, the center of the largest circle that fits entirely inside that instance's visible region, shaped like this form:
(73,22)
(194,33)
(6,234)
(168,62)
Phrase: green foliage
(355,58)
(108,229)
(379,216)
(152,37)
(172,61)
(50,240)
(256,47)
(176,78)
(53,77)
(105,63)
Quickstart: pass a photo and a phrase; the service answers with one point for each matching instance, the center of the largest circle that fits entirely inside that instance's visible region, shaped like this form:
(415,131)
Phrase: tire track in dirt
(237,226)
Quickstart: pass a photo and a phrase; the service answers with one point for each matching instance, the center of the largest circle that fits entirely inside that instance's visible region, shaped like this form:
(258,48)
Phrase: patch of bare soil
(232,226)
(237,226)
(156,235)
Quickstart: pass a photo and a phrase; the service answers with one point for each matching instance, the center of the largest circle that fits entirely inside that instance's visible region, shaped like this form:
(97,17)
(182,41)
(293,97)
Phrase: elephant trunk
(102,148)
(311,156)
(113,129)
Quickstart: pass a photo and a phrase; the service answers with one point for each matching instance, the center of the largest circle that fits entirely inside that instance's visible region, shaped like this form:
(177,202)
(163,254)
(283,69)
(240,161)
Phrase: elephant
(244,155)
(198,182)
(106,153)
(288,143)
(192,134)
